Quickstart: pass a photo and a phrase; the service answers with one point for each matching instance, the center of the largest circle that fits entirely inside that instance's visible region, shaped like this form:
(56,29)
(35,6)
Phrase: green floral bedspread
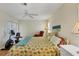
(37,46)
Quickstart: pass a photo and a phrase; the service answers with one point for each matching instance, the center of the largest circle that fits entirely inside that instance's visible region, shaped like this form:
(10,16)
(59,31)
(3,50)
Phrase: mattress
(37,46)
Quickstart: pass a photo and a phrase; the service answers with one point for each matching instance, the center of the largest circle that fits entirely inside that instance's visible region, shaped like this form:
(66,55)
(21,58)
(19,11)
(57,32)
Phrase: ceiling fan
(31,15)
(26,13)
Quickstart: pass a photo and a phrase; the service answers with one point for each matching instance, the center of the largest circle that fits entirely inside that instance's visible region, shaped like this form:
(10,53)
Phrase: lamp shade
(76,28)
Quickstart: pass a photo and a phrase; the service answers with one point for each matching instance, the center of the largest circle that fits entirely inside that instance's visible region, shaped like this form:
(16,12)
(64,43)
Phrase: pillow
(24,41)
(55,40)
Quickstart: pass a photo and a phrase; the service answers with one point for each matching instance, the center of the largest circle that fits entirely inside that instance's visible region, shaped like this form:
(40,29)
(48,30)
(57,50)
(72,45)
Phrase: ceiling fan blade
(25,15)
(28,16)
(25,4)
(31,16)
(34,14)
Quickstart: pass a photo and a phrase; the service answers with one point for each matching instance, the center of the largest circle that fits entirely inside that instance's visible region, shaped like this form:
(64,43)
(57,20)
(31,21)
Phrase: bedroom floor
(3,52)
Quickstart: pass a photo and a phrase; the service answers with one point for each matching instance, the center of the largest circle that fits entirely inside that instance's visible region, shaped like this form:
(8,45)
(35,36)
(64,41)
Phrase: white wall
(4,18)
(26,27)
(66,16)
(30,27)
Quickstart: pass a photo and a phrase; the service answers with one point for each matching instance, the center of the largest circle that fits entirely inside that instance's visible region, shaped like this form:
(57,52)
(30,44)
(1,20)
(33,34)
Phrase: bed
(37,46)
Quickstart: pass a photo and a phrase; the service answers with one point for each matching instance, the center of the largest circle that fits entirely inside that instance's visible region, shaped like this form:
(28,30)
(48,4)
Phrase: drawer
(63,52)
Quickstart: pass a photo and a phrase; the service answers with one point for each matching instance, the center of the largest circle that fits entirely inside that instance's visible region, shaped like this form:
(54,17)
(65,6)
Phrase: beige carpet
(3,52)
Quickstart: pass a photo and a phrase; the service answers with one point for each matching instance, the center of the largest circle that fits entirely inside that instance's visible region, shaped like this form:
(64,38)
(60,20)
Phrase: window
(10,26)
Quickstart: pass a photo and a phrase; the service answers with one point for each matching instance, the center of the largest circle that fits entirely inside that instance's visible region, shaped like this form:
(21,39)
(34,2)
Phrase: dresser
(69,50)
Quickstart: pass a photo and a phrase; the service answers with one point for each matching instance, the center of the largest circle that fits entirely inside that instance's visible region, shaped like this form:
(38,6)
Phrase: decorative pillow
(24,41)
(55,40)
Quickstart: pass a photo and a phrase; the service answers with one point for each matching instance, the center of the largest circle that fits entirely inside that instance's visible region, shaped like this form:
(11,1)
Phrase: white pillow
(55,40)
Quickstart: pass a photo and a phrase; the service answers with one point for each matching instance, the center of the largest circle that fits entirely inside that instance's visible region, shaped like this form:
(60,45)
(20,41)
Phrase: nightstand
(69,50)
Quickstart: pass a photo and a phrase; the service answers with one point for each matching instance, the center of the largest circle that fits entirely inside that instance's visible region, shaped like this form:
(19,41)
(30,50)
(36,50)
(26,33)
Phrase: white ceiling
(44,10)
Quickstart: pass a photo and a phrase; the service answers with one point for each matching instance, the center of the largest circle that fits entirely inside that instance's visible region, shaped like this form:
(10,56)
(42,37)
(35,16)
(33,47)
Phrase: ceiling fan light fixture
(25,4)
